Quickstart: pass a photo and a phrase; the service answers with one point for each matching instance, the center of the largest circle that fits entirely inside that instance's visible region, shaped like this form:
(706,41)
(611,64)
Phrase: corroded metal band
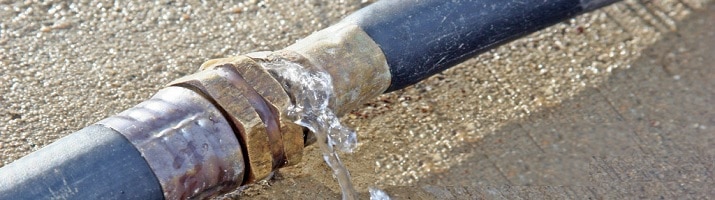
(186,141)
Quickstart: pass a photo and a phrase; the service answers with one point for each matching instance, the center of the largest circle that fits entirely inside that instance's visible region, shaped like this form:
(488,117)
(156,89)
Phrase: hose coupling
(228,125)
(255,104)
(253,99)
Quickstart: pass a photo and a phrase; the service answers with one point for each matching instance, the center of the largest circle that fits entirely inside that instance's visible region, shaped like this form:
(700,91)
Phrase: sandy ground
(610,104)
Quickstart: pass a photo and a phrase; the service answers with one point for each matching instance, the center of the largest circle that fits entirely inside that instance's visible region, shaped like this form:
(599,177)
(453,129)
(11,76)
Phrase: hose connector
(249,101)
(255,103)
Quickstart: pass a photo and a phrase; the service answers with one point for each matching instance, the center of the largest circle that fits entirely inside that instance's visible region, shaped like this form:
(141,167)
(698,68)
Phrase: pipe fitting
(255,103)
(273,93)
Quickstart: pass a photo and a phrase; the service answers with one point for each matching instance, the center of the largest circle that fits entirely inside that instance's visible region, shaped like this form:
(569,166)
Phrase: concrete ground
(616,103)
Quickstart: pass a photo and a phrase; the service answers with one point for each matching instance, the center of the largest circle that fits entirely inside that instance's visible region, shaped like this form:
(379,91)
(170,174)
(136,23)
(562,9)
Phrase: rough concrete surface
(616,103)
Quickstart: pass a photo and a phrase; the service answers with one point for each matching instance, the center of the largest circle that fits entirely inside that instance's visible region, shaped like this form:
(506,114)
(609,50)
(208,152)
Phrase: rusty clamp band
(186,141)
(254,102)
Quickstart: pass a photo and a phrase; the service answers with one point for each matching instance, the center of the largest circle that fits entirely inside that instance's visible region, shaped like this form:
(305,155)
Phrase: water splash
(311,91)
(377,194)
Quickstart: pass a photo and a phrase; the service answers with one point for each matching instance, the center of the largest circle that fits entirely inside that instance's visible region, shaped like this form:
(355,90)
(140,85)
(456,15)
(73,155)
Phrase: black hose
(93,163)
(418,38)
(423,37)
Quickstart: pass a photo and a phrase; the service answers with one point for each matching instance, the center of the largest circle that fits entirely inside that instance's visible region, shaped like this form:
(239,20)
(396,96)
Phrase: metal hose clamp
(186,141)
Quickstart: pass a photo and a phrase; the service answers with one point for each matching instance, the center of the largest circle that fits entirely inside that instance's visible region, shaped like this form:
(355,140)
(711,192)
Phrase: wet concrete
(614,103)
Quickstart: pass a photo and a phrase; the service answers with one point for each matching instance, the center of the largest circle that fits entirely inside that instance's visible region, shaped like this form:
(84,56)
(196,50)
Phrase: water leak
(311,91)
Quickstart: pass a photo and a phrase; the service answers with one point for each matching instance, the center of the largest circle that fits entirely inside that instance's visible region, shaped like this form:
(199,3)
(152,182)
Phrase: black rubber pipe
(419,39)
(423,37)
(93,163)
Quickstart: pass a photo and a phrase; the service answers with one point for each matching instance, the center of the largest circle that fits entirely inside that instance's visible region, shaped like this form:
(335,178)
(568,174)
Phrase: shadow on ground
(648,132)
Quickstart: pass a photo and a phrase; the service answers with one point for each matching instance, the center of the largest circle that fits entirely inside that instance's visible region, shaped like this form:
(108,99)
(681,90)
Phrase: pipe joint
(255,103)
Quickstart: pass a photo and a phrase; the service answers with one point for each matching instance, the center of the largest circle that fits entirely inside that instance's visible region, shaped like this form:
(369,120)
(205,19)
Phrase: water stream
(311,90)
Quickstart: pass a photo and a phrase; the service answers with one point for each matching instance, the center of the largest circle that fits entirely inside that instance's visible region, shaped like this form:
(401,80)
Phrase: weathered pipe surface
(187,142)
